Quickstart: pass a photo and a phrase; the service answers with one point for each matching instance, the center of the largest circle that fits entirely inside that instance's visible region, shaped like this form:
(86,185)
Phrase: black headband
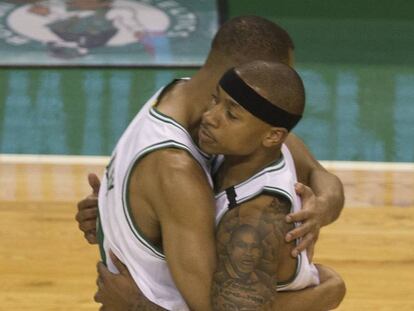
(257,105)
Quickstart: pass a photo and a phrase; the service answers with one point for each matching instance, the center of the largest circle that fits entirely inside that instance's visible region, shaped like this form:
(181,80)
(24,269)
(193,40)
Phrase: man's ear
(275,136)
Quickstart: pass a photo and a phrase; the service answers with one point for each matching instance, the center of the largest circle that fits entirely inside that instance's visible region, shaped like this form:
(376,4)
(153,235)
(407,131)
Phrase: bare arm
(185,207)
(326,296)
(250,247)
(249,242)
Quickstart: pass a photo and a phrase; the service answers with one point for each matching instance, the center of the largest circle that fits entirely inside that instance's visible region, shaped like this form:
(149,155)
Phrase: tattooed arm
(250,246)
(253,257)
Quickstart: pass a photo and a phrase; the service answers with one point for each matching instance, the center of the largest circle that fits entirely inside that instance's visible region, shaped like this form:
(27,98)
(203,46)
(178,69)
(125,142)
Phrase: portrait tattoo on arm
(248,242)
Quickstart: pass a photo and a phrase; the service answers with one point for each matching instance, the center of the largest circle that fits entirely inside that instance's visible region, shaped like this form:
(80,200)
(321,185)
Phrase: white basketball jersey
(278,178)
(149,131)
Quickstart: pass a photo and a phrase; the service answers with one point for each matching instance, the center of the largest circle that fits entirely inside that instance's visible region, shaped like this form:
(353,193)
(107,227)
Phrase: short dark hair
(277,82)
(248,38)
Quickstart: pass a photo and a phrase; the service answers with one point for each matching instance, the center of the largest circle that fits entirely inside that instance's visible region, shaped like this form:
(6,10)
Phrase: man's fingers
(310,251)
(94,182)
(87,214)
(304,244)
(91,237)
(87,226)
(103,271)
(303,191)
(98,297)
(118,264)
(301,215)
(99,281)
(89,202)
(298,232)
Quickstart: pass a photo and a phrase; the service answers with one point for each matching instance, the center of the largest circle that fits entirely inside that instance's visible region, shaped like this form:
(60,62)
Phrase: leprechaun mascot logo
(76,28)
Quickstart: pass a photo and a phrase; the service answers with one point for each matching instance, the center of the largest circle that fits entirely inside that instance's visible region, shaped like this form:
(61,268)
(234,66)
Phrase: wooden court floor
(45,264)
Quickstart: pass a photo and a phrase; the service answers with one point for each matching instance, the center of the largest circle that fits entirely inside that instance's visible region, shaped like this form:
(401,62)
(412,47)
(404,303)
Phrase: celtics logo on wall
(106,32)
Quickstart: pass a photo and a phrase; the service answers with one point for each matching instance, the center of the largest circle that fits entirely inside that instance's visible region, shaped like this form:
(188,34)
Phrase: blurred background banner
(106,32)
(356,59)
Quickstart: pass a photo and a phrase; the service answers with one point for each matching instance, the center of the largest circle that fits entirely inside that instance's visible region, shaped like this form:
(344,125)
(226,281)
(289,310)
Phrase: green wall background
(356,58)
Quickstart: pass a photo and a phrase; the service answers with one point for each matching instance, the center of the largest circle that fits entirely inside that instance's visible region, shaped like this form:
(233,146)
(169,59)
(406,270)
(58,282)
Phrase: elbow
(339,291)
(341,193)
(333,287)
(341,199)
(342,291)
(338,198)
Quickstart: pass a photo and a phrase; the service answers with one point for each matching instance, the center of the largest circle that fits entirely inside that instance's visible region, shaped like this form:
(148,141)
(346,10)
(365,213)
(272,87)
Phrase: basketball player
(186,218)
(255,188)
(255,108)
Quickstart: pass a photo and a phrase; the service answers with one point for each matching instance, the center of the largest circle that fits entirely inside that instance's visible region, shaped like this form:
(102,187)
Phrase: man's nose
(211,117)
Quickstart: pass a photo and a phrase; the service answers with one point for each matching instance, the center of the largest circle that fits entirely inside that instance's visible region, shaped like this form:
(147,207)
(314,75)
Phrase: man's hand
(321,207)
(118,292)
(88,210)
(311,217)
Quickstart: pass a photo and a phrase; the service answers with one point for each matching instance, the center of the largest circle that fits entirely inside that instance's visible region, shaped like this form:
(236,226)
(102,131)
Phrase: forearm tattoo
(248,252)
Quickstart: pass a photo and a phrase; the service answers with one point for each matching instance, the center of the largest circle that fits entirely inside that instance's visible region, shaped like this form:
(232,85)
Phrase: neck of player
(187,101)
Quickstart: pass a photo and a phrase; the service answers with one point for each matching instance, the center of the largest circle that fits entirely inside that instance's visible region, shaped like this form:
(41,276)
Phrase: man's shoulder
(172,181)
(170,171)
(266,213)
(171,160)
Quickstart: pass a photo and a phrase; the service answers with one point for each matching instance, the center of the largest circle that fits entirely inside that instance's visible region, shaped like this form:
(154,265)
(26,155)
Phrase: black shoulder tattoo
(247,247)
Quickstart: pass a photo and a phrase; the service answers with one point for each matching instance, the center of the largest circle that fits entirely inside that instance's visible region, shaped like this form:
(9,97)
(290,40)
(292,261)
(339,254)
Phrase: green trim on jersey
(273,166)
(166,119)
(269,189)
(157,251)
(100,236)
